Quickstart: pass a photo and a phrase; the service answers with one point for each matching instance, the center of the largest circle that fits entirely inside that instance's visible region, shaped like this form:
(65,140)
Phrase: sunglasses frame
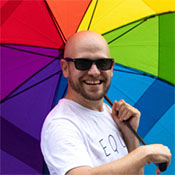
(91,61)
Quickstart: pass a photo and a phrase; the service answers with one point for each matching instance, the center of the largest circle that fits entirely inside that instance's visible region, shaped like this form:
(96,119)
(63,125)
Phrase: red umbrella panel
(33,23)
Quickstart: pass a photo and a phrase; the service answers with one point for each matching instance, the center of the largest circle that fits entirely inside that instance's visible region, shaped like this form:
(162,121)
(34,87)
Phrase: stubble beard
(78,88)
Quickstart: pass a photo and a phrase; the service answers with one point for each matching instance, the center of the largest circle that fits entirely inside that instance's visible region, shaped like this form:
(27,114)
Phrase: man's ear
(64,67)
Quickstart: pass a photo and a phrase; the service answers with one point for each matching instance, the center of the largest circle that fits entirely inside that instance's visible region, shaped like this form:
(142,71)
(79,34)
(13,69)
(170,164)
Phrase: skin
(83,45)
(85,89)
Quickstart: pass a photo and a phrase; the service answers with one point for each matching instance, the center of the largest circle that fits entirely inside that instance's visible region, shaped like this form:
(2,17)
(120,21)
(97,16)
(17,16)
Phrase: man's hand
(123,111)
(158,153)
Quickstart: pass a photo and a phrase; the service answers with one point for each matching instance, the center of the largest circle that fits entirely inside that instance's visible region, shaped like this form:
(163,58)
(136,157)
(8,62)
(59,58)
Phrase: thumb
(115,107)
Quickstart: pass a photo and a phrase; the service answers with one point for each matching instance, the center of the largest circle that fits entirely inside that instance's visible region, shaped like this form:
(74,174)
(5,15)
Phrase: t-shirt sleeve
(63,146)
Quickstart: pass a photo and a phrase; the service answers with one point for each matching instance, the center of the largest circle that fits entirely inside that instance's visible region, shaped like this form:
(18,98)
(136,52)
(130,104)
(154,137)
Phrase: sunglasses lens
(83,64)
(104,64)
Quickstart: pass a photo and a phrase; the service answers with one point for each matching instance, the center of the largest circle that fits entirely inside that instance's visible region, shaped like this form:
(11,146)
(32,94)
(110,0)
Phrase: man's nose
(94,70)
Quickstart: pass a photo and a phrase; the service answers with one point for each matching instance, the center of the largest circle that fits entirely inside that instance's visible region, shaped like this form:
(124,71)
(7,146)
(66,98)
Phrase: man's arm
(138,156)
(132,163)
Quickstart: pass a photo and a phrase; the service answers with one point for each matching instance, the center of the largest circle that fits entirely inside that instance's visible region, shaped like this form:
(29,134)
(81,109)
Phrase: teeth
(92,82)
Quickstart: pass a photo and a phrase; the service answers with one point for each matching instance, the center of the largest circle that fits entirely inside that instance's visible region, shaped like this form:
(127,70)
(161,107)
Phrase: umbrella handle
(162,166)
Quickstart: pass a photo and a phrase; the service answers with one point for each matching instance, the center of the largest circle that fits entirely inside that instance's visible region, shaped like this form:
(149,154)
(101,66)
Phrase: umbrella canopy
(140,34)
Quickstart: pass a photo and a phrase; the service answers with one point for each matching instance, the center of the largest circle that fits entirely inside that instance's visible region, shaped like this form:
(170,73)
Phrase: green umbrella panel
(147,45)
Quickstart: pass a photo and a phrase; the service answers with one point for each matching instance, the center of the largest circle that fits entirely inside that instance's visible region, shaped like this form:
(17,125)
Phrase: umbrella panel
(137,48)
(23,114)
(146,45)
(14,146)
(28,23)
(22,62)
(155,99)
(10,164)
(166,48)
(163,132)
(128,84)
(115,14)
(68,14)
(154,103)
(35,98)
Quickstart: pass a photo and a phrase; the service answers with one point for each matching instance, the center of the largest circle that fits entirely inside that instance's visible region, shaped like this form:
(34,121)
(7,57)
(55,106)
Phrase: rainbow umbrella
(140,34)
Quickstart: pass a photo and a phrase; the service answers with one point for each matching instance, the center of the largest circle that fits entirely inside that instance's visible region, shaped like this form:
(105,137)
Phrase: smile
(90,82)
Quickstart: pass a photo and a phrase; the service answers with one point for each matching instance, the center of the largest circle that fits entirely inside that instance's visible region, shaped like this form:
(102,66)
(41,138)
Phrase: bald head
(86,44)
(92,82)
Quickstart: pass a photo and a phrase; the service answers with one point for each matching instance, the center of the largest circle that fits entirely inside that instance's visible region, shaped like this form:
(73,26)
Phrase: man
(82,135)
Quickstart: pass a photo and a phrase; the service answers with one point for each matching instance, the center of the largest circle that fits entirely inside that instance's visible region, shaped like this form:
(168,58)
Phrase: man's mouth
(91,82)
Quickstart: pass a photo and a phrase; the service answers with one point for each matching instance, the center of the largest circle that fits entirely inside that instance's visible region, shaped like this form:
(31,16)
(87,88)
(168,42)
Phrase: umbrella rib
(58,28)
(83,15)
(7,46)
(92,15)
(136,73)
(144,18)
(25,81)
(56,92)
(9,97)
(53,101)
(126,32)
(28,45)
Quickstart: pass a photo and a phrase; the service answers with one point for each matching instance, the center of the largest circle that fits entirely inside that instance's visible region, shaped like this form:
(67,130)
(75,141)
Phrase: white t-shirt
(74,136)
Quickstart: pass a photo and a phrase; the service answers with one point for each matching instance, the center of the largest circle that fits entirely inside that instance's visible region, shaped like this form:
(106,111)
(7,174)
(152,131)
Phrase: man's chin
(93,96)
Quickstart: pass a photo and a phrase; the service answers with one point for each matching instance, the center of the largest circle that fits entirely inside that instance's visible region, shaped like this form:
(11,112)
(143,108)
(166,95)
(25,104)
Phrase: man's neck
(90,104)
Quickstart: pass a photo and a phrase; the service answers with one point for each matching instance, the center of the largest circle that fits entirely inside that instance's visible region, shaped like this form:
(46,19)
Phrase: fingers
(159,153)
(124,111)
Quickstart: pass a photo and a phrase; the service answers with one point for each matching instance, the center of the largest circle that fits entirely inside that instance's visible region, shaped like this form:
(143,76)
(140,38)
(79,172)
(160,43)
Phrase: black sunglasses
(85,63)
